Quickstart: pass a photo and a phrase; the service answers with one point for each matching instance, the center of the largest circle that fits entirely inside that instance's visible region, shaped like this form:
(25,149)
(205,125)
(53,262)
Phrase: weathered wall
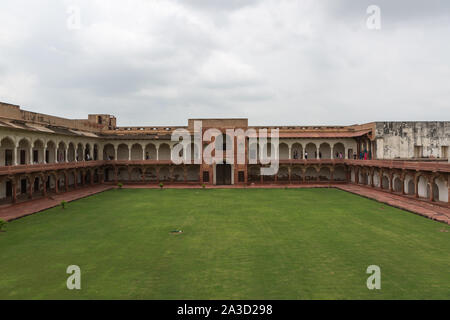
(398,139)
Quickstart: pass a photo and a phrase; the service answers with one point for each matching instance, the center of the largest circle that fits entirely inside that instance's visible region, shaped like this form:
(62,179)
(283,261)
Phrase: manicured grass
(237,244)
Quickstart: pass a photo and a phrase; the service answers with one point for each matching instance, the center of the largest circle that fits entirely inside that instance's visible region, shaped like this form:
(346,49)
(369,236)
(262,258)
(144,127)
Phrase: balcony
(31,168)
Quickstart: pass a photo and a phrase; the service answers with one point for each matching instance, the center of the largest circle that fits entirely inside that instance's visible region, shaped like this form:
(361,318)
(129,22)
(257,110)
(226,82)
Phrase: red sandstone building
(42,154)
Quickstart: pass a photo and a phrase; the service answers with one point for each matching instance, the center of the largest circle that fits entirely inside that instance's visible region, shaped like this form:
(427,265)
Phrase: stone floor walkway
(417,206)
(420,207)
(12,212)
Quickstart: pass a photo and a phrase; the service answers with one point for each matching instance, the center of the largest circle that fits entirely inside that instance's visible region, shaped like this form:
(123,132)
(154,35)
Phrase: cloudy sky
(276,62)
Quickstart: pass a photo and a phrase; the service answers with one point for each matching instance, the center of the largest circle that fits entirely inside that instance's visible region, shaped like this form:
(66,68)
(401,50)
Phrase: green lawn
(237,244)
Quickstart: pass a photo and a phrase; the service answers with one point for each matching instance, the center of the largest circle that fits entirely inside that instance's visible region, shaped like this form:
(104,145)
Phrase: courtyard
(235,244)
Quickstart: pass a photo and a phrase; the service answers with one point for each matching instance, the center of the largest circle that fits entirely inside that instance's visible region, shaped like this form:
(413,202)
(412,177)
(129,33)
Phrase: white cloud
(274,61)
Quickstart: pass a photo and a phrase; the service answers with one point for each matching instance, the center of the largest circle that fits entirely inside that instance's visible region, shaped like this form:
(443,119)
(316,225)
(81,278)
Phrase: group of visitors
(363,155)
(339,155)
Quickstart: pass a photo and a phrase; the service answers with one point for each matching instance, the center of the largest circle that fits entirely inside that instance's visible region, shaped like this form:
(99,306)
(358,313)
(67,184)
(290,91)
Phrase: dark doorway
(9,189)
(8,157)
(35,156)
(23,186)
(223,174)
(36,185)
(22,156)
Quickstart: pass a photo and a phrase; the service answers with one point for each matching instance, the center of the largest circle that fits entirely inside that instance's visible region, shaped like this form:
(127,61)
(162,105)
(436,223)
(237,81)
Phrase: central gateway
(223,174)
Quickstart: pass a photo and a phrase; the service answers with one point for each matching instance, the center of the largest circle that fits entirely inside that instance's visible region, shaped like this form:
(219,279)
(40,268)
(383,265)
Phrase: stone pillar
(14,160)
(416,187)
(66,181)
(129,153)
(14,190)
(157,174)
(116,152)
(56,184)
(75,184)
(448,184)
(290,173)
(157,153)
(30,158)
(44,186)
(30,188)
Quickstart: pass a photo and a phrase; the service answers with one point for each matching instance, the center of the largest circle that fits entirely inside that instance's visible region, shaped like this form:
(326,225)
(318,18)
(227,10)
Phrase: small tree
(120,185)
(203,186)
(161,185)
(2,225)
(63,204)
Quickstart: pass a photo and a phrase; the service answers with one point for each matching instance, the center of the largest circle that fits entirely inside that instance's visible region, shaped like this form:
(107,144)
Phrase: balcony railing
(391,164)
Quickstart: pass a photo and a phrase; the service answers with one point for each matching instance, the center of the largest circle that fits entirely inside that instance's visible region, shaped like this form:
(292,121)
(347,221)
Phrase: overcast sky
(276,62)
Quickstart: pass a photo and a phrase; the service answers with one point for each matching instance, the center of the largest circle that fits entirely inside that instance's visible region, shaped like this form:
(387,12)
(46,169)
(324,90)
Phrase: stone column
(56,184)
(416,187)
(289,173)
(66,181)
(14,159)
(44,186)
(30,188)
(14,190)
(75,183)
